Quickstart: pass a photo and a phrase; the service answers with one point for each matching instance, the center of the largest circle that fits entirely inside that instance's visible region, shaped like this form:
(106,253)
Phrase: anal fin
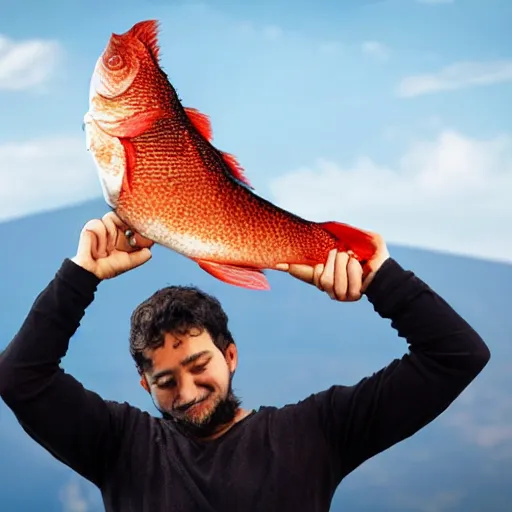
(250,278)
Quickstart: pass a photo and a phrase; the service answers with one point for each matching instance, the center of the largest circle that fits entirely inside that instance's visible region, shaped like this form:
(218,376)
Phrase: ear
(231,356)
(144,382)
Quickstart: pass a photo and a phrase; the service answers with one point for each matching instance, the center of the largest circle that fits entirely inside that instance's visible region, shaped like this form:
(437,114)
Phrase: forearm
(435,332)
(32,358)
(71,422)
(445,355)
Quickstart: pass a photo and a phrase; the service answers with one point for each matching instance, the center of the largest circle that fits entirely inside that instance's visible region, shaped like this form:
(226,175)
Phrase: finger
(99,245)
(121,232)
(124,237)
(112,232)
(90,239)
(355,280)
(139,257)
(125,241)
(326,281)
(317,274)
(340,276)
(101,238)
(128,241)
(302,272)
(86,244)
(115,219)
(94,254)
(135,240)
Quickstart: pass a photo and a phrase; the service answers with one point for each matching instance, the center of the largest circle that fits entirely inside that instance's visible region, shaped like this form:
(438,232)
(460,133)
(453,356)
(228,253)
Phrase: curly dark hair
(176,309)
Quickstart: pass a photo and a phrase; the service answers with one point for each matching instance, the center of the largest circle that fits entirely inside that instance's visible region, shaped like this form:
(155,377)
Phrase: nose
(187,392)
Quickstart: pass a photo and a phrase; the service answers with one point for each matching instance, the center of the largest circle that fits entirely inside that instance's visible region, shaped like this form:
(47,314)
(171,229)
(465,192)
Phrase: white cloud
(27,64)
(73,499)
(457,76)
(45,174)
(375,49)
(450,194)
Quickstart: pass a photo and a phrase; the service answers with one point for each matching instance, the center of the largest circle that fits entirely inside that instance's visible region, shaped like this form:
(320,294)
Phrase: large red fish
(163,177)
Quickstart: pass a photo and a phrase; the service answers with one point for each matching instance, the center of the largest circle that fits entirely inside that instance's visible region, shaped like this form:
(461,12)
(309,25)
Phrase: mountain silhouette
(293,341)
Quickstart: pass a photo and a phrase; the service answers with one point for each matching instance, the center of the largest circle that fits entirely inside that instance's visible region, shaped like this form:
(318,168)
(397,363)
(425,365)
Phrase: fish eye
(115,61)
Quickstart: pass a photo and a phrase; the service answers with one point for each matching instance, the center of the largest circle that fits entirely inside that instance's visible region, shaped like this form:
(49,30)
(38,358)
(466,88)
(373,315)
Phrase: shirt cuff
(83,281)
(392,287)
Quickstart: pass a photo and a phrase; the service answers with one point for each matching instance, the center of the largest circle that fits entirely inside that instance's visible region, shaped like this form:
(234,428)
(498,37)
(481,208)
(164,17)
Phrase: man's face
(190,381)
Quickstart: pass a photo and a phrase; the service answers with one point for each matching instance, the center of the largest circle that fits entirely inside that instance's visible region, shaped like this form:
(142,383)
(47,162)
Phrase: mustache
(184,407)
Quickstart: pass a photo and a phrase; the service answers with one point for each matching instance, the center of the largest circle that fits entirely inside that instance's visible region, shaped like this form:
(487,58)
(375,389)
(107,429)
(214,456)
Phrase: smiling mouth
(194,407)
(183,410)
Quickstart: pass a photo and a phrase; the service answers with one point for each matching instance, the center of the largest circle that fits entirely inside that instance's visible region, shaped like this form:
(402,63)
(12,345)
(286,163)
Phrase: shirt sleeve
(74,424)
(445,355)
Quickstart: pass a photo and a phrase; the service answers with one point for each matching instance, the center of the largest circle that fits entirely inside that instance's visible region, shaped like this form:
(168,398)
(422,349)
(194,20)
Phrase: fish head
(126,76)
(116,68)
(123,103)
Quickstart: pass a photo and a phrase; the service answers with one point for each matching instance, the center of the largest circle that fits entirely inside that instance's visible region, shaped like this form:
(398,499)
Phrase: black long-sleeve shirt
(283,459)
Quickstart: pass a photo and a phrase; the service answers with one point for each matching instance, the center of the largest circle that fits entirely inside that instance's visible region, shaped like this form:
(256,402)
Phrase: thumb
(304,273)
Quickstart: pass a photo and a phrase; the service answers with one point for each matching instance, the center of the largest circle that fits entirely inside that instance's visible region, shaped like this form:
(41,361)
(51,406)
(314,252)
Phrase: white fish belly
(184,243)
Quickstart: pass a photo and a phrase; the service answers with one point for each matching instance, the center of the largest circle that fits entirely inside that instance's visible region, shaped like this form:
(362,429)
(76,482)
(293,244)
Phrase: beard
(223,412)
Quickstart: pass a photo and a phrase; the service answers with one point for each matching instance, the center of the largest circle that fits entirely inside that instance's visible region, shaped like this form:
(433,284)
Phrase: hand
(105,250)
(341,277)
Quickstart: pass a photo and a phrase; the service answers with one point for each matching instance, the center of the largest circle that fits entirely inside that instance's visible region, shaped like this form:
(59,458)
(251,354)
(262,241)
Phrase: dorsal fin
(201,122)
(147,33)
(236,169)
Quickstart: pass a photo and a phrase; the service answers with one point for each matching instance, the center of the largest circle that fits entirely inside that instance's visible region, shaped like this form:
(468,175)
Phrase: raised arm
(74,424)
(445,355)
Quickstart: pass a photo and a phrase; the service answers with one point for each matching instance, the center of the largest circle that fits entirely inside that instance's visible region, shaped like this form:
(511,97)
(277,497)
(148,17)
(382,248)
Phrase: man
(207,453)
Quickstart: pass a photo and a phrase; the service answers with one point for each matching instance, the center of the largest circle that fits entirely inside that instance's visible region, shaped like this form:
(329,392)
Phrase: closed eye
(198,369)
(166,384)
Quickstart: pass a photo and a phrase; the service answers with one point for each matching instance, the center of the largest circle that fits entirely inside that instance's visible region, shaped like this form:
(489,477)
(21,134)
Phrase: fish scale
(252,233)
(165,179)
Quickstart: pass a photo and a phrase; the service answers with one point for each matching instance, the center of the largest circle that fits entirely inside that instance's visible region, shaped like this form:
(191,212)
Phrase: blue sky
(390,115)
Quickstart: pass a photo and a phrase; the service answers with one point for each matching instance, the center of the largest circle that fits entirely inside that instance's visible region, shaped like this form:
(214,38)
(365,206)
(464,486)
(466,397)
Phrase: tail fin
(352,239)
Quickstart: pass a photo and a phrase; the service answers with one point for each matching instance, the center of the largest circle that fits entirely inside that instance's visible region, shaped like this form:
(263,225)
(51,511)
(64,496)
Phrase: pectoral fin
(131,126)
